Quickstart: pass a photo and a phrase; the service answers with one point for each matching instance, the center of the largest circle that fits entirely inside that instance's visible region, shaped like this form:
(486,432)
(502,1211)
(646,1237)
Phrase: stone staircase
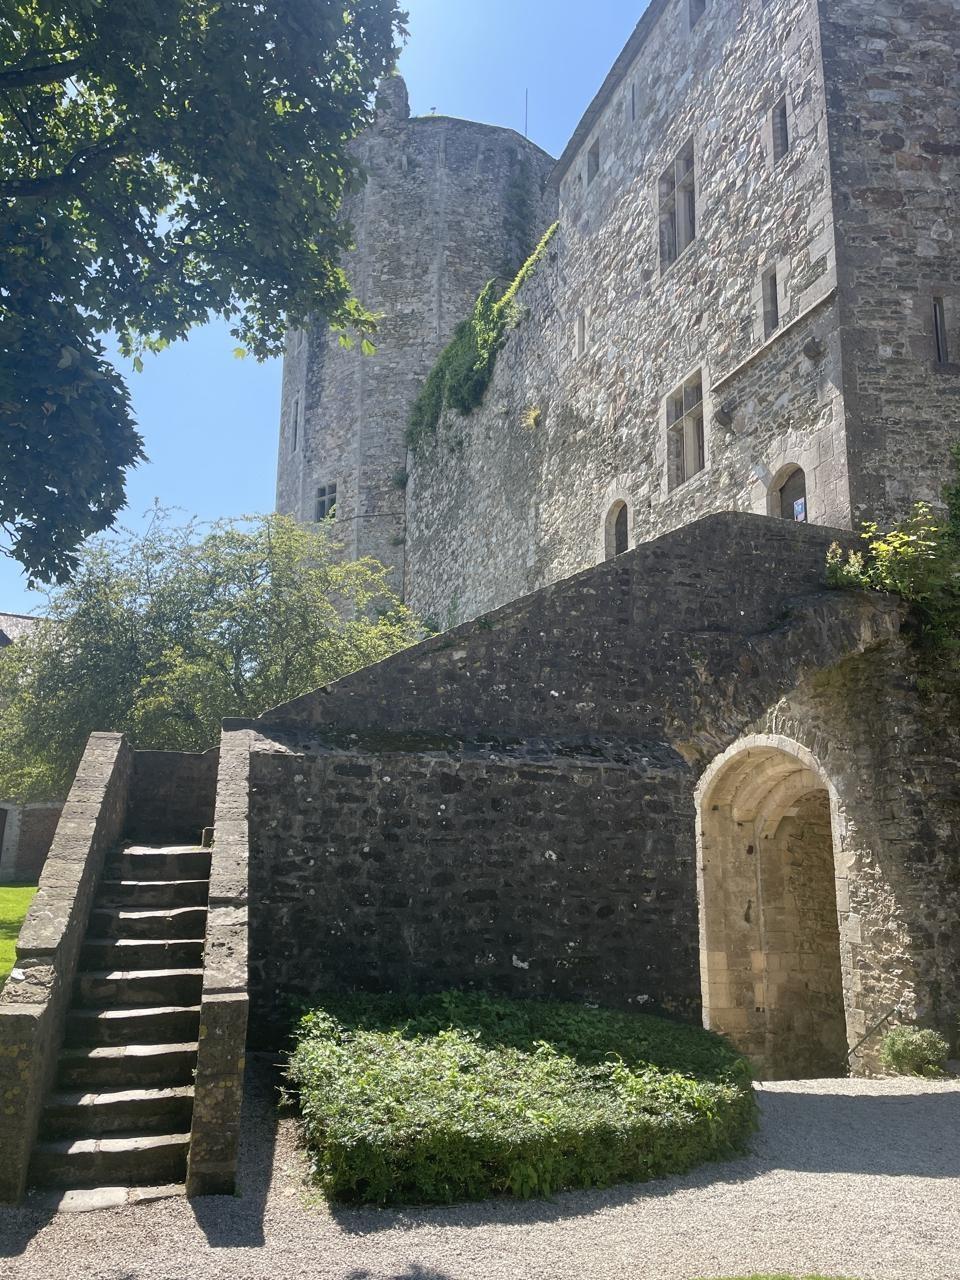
(121,1108)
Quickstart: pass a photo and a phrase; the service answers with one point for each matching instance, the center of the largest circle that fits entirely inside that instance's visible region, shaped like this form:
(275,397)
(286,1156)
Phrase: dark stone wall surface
(38,826)
(537,873)
(172,796)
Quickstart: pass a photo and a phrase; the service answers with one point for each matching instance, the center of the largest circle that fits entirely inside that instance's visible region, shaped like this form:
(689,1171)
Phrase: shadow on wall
(236,1222)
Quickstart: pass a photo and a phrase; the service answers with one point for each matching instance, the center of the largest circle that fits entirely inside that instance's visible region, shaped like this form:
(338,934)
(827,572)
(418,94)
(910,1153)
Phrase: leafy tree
(161,161)
(164,635)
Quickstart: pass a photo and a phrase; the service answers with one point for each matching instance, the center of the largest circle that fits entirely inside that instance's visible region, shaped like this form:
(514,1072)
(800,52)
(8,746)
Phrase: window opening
(771,303)
(686,440)
(593,161)
(940,331)
(326,502)
(781,131)
(678,206)
(295,427)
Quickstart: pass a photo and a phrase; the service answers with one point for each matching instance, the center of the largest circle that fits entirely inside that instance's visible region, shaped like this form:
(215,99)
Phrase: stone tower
(446,206)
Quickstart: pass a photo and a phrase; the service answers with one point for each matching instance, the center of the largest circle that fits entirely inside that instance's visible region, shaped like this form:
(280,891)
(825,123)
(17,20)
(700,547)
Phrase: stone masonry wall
(446,205)
(894,121)
(497,508)
(172,796)
(893,755)
(535,873)
(521,792)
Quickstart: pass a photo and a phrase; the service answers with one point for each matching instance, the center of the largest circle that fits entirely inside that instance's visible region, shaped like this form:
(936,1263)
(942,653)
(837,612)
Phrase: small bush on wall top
(458,1097)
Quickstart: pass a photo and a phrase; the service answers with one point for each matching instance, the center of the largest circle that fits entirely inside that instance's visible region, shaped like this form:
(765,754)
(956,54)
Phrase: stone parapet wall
(28,834)
(34,1000)
(215,1131)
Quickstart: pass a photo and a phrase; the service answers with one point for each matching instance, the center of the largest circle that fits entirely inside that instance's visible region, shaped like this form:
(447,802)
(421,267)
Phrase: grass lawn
(14,901)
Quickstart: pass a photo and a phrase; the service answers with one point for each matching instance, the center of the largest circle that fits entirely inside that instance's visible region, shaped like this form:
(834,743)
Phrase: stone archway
(771,953)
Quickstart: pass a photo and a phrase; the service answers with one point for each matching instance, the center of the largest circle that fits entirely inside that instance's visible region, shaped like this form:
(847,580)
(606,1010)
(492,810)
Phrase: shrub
(463,370)
(459,1096)
(912,1051)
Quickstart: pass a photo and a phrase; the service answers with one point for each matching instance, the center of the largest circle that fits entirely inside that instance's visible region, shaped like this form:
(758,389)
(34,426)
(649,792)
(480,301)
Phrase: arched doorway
(617,530)
(788,498)
(769,928)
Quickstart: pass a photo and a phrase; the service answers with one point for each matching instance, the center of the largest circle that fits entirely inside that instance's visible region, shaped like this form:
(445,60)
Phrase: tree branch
(72,176)
(47,73)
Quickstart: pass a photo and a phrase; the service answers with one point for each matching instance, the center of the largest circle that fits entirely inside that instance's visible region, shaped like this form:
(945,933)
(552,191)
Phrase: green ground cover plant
(460,1097)
(14,903)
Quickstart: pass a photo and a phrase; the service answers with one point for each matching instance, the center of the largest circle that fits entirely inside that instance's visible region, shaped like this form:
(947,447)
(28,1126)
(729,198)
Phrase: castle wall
(511,806)
(894,109)
(446,206)
(498,508)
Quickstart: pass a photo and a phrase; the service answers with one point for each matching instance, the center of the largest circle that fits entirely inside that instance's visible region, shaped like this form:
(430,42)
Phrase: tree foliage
(164,635)
(161,161)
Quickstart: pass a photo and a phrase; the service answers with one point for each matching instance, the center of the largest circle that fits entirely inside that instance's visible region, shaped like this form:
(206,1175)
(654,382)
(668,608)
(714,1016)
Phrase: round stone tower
(446,206)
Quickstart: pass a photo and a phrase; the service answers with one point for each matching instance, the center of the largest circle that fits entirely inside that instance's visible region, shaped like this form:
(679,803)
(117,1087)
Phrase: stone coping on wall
(34,1001)
(218,1093)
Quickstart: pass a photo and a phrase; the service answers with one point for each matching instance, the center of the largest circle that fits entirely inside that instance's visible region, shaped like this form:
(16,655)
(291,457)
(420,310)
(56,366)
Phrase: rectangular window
(326,502)
(295,426)
(581,333)
(686,442)
(771,303)
(593,161)
(940,331)
(678,207)
(780,122)
(697,9)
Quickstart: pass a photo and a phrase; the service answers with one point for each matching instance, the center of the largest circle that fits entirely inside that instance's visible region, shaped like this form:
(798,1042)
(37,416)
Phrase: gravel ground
(847,1178)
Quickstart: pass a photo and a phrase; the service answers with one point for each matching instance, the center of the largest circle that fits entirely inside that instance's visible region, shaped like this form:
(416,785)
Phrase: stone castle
(661,765)
(752,303)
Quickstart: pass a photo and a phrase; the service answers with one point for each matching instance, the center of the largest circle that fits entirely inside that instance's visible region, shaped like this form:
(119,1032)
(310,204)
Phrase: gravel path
(847,1178)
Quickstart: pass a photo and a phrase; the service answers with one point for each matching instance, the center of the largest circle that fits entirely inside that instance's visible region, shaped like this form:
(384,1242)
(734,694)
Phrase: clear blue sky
(210,421)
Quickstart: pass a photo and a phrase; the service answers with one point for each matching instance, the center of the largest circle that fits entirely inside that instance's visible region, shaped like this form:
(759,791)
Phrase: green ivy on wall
(460,377)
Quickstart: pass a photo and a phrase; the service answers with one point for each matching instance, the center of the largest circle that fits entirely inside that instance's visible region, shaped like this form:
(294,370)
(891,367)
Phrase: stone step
(138,863)
(129,1066)
(180,922)
(141,953)
(81,1115)
(116,989)
(123,1160)
(164,1024)
(141,895)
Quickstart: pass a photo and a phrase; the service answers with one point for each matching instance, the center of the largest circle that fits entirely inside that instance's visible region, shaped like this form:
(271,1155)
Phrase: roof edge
(628,54)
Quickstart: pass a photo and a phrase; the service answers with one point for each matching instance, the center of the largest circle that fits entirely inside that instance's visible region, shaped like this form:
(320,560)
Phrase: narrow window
(633,102)
(940,331)
(593,161)
(326,502)
(581,333)
(697,9)
(678,207)
(617,530)
(781,131)
(793,496)
(686,443)
(771,303)
(295,427)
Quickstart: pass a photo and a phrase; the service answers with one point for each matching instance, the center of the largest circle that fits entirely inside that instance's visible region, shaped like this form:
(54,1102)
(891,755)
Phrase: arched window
(617,530)
(791,496)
